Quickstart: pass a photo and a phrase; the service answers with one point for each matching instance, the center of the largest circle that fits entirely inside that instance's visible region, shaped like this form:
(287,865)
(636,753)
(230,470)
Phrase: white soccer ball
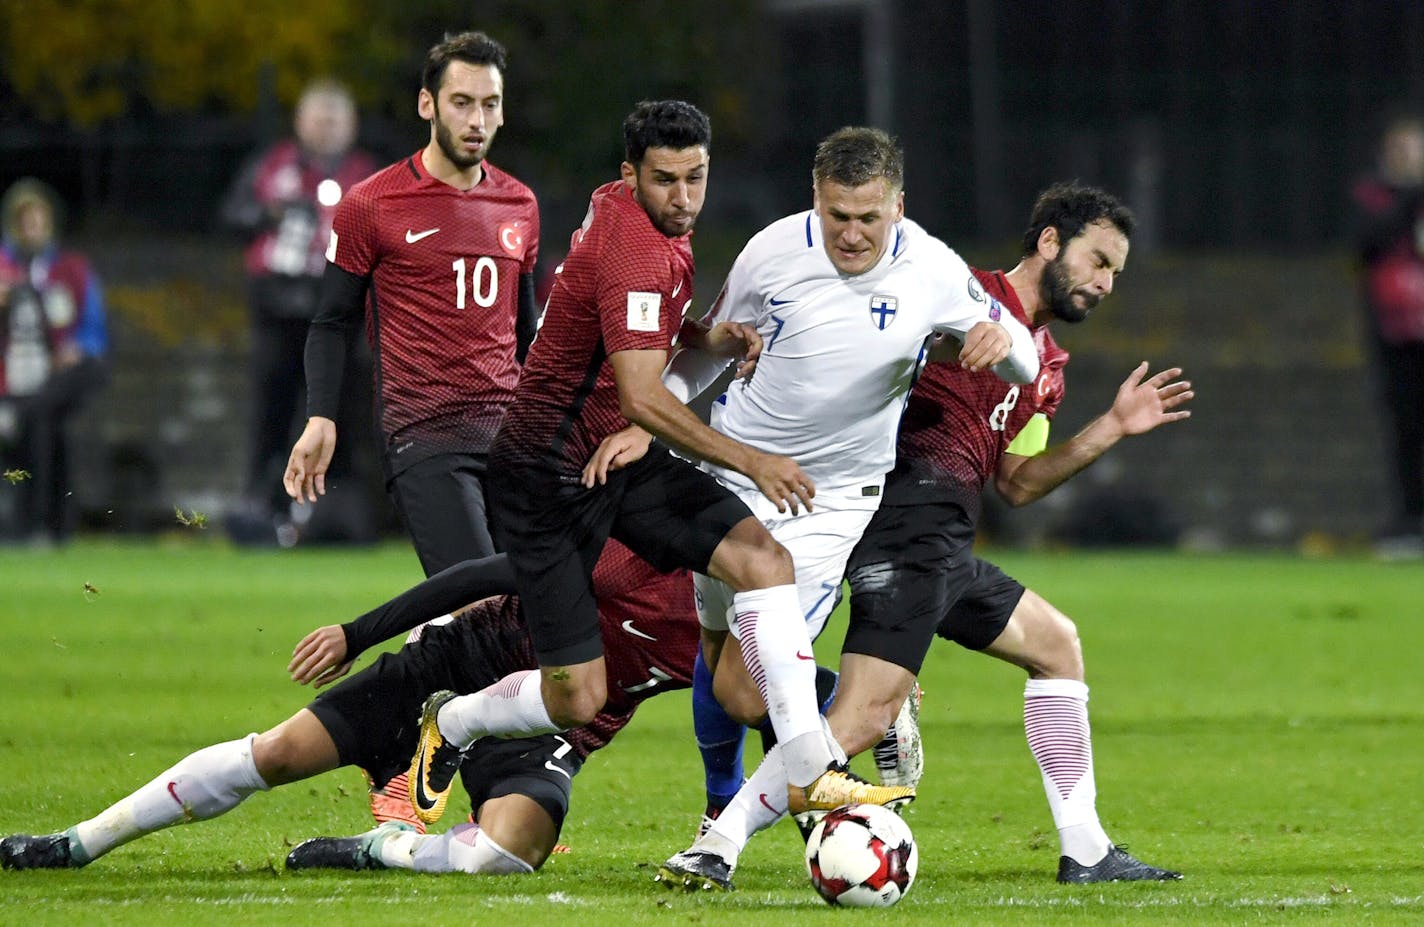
(862,856)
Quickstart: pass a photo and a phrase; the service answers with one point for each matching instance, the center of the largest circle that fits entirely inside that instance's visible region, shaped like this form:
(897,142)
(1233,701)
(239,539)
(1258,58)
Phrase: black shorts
(663,508)
(374,719)
(441,501)
(914,576)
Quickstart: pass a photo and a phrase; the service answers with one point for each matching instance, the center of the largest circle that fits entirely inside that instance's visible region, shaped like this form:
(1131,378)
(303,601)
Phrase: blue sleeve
(92,336)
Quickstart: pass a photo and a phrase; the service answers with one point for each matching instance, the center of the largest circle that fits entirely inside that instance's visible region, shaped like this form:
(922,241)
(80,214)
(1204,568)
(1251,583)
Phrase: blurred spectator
(284,199)
(53,340)
(1389,206)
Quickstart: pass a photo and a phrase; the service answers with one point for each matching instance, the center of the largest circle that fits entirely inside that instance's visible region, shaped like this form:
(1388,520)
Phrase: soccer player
(914,573)
(845,295)
(519,788)
(436,252)
(617,303)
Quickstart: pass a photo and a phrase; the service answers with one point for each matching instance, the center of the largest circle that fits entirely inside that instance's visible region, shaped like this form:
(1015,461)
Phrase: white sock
(758,804)
(512,707)
(200,786)
(1056,724)
(778,654)
(463,848)
(417,632)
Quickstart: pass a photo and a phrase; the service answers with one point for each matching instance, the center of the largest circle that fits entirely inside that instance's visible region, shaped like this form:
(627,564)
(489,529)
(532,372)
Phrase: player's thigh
(820,543)
(909,568)
(673,514)
(519,791)
(442,502)
(981,614)
(553,534)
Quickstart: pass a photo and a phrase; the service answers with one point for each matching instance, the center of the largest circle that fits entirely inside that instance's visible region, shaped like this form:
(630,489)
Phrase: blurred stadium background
(1231,127)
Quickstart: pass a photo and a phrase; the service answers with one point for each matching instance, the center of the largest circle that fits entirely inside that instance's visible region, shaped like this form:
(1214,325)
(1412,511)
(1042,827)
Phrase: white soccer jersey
(840,352)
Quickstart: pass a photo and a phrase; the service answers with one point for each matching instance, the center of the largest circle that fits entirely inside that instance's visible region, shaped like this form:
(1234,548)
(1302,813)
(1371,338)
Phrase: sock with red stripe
(1056,723)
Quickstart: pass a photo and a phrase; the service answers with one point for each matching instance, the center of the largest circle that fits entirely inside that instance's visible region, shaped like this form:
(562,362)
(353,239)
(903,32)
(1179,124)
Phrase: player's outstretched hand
(781,480)
(305,478)
(985,345)
(1143,404)
(616,451)
(320,657)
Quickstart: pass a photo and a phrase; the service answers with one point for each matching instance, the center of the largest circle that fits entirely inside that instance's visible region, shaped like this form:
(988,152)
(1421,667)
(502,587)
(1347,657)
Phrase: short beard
(1053,289)
(446,140)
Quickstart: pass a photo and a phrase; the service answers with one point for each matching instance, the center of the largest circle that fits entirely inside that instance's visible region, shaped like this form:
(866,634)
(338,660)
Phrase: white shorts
(820,542)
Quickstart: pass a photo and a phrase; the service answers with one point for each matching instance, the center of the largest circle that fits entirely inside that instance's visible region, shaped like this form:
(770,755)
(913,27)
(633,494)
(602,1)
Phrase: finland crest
(882,310)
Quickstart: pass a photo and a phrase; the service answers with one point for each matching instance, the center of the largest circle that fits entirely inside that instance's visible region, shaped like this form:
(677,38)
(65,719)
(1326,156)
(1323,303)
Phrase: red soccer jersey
(443,266)
(624,286)
(957,424)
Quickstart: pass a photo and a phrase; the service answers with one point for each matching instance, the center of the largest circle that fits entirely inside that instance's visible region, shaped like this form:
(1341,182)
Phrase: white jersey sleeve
(964,304)
(691,371)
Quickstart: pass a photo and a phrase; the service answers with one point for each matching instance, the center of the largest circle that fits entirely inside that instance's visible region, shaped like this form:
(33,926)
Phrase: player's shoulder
(1051,354)
(391,179)
(926,248)
(506,184)
(784,240)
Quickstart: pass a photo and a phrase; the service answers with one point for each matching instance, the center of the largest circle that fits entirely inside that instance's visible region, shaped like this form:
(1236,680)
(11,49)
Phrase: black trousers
(1401,382)
(42,448)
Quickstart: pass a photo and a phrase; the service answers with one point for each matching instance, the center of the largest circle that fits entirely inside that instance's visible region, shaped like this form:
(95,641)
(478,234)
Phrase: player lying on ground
(914,574)
(519,788)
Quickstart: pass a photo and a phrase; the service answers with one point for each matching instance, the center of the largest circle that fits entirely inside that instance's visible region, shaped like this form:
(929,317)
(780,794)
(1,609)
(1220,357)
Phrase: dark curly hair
(1071,206)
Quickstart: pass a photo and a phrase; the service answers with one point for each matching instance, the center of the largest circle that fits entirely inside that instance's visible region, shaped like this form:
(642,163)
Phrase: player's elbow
(1013,493)
(637,406)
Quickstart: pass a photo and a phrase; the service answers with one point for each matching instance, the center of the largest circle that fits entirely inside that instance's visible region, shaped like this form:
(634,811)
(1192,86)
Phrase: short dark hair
(470,47)
(1070,207)
(856,155)
(664,124)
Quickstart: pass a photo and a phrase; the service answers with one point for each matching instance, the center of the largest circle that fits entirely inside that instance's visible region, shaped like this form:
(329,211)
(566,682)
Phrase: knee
(1059,654)
(572,706)
(276,755)
(758,562)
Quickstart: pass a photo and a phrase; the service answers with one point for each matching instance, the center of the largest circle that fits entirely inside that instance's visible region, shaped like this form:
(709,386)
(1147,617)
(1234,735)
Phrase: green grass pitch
(1258,722)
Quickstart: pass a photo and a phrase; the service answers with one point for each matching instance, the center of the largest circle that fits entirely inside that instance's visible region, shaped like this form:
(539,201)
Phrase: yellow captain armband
(1032,439)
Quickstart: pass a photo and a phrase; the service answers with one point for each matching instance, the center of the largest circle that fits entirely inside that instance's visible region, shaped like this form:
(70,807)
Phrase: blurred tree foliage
(84,62)
(575,67)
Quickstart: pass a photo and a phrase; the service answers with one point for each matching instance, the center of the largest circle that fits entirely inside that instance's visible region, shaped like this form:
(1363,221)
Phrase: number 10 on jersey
(484,282)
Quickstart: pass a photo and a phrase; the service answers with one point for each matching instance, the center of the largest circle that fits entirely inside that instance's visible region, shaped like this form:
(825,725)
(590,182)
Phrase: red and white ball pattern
(862,856)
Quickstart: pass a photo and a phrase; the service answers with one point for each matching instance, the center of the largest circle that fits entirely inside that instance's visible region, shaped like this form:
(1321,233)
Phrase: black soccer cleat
(1117,866)
(696,871)
(354,853)
(332,853)
(45,851)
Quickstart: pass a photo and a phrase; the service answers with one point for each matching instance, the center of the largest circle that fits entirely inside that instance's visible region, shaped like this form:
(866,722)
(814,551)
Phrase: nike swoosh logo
(676,289)
(802,656)
(766,804)
(413,237)
(549,764)
(780,302)
(422,801)
(628,626)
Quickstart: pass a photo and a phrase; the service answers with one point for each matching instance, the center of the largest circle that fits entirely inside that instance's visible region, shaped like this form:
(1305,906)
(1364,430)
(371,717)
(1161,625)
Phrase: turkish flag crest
(511,239)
